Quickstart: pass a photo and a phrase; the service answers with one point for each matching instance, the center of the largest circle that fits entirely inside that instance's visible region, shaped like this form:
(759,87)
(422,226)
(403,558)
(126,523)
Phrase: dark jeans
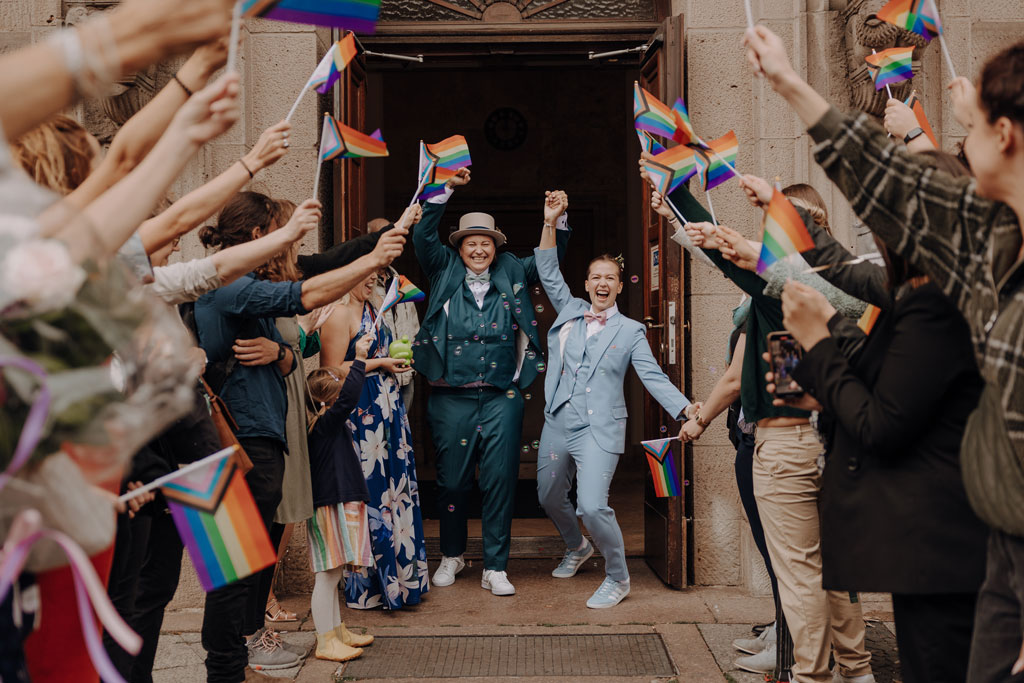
(744,466)
(999,619)
(256,613)
(130,543)
(230,611)
(158,581)
(933,635)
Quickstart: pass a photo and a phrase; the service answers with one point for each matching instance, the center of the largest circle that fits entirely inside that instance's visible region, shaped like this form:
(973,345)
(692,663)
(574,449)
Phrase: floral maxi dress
(383,440)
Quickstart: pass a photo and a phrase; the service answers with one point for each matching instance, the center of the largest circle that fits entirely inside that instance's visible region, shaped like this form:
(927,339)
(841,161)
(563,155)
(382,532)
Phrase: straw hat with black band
(477,224)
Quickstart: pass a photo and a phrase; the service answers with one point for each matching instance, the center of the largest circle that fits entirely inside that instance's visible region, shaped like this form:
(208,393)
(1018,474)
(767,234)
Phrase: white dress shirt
(592,327)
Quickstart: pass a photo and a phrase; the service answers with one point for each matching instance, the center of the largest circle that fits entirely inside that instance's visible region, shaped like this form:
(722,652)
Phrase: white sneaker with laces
(450,566)
(752,646)
(497,582)
(761,663)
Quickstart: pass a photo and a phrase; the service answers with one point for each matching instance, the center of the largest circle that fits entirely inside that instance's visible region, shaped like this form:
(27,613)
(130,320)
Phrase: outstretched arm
(554,235)
(201,203)
(434,256)
(655,380)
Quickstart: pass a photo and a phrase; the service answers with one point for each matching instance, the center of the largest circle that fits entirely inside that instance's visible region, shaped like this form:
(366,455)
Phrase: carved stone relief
(865,32)
(509,11)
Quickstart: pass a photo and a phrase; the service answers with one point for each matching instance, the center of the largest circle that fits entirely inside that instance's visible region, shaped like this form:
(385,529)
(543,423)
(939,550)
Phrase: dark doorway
(530,127)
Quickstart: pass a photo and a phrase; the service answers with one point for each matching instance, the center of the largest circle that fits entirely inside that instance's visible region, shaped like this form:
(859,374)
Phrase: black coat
(894,512)
(335,469)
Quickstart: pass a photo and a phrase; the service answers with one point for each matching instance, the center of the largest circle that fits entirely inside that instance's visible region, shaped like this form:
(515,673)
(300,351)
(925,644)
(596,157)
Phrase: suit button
(590,412)
(588,390)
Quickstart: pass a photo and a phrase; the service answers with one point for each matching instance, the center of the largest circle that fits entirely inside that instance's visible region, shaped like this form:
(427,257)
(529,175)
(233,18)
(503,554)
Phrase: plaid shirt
(967,244)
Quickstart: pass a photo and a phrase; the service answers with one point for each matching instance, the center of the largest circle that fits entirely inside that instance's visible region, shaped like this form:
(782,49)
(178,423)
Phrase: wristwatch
(280,352)
(914,132)
(699,419)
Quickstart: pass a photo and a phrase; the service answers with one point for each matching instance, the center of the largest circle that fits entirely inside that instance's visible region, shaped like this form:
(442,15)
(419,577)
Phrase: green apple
(401,348)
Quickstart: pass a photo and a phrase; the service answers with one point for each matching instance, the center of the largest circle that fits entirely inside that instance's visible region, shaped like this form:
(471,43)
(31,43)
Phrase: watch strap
(912,134)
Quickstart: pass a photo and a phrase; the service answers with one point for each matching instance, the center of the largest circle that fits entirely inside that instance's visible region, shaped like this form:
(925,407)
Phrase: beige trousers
(786,486)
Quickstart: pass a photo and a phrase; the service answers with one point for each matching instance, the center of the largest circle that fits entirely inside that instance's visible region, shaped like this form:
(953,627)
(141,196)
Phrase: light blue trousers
(567,450)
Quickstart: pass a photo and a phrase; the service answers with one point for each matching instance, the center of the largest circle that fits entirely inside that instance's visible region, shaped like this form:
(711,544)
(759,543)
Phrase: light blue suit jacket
(622,343)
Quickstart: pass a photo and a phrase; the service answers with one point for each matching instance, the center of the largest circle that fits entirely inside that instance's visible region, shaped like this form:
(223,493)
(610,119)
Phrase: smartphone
(785,354)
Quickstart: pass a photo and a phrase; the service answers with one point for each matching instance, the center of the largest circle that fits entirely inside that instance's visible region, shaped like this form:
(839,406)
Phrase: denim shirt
(246,309)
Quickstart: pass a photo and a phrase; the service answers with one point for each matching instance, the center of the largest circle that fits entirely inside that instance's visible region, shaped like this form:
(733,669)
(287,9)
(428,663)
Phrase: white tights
(325,604)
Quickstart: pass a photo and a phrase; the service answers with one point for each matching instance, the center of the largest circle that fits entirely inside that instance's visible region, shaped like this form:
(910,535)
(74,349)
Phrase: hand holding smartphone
(785,353)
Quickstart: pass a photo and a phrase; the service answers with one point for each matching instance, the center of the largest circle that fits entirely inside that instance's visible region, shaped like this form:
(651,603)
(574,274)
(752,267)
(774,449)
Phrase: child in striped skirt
(338,532)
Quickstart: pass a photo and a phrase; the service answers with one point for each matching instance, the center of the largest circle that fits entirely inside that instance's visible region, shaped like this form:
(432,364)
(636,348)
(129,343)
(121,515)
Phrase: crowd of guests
(887,461)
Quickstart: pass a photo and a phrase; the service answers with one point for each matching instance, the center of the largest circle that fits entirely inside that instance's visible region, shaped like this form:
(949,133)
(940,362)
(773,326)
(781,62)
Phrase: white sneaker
(839,678)
(450,566)
(761,663)
(752,646)
(497,582)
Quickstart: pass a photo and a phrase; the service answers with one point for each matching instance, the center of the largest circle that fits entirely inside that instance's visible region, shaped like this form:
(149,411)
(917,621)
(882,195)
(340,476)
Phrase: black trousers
(158,581)
(130,543)
(933,634)
(237,610)
(999,618)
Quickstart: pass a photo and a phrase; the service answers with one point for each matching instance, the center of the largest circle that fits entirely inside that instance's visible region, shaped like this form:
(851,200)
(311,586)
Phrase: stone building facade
(827,40)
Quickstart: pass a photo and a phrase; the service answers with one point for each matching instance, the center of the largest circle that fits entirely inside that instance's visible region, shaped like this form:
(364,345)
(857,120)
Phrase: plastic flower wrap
(115,359)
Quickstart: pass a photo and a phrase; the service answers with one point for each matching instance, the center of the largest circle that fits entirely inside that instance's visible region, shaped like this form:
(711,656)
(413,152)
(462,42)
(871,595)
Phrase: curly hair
(57,154)
(250,215)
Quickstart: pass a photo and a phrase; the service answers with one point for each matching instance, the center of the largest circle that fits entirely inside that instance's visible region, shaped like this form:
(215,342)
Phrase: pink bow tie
(601,317)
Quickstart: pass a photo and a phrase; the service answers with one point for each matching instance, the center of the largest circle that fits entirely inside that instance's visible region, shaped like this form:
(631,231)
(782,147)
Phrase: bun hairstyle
(236,223)
(57,154)
(324,385)
(617,261)
(808,199)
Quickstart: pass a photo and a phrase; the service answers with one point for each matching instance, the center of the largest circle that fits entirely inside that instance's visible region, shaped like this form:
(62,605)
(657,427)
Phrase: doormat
(572,656)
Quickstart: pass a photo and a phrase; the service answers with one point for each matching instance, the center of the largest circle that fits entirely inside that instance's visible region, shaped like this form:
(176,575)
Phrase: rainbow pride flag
(671,168)
(919,16)
(784,233)
(355,15)
(331,145)
(663,467)
(651,114)
(891,66)
(409,292)
(328,71)
(685,134)
(439,162)
(219,524)
(868,318)
(649,144)
(714,170)
(917,107)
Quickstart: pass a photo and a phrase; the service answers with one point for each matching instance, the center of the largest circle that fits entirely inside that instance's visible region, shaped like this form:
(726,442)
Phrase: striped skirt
(339,535)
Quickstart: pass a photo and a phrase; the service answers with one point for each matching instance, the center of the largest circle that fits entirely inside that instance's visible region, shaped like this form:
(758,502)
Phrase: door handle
(651,325)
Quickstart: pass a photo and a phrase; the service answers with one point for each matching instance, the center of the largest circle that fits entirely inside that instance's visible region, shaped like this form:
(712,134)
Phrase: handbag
(226,427)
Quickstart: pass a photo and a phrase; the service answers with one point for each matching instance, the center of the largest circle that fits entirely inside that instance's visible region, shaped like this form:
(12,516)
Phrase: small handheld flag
(334,62)
(868,319)
(400,291)
(685,134)
(663,466)
(648,143)
(391,298)
(784,232)
(331,146)
(715,170)
(355,15)
(919,16)
(218,521)
(338,140)
(891,66)
(651,114)
(671,168)
(918,108)
(439,162)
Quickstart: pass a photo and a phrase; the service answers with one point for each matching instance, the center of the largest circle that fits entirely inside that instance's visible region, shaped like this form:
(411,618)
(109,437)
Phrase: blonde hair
(808,199)
(57,154)
(324,385)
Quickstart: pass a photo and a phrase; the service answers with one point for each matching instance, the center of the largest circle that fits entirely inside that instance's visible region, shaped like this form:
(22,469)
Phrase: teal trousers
(470,428)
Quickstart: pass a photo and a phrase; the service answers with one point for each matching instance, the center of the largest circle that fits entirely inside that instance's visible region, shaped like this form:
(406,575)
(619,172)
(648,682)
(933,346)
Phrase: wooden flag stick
(291,112)
(198,464)
(711,207)
(316,181)
(945,53)
(236,27)
(687,243)
(750,14)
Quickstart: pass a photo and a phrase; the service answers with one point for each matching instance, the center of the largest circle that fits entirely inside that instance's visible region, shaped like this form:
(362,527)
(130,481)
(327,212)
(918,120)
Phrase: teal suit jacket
(622,343)
(510,275)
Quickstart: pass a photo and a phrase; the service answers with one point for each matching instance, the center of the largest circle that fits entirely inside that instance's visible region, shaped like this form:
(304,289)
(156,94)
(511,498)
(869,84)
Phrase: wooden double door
(558,122)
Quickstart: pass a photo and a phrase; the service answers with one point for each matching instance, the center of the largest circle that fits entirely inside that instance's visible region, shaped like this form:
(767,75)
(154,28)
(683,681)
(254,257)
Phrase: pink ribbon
(32,430)
(89,591)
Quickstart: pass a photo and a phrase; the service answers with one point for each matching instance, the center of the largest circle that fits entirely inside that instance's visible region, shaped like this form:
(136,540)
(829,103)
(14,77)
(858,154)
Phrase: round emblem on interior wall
(505,128)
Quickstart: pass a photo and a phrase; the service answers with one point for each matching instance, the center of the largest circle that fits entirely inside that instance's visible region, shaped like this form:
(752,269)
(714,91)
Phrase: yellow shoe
(349,638)
(328,646)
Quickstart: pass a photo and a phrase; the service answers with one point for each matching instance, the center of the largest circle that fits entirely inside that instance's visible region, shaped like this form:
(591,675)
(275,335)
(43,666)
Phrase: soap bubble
(479,428)
(458,350)
(686,482)
(494,364)
(451,508)
(518,310)
(494,326)
(510,394)
(476,337)
(535,445)
(504,337)
(663,429)
(539,308)
(635,279)
(527,396)
(505,304)
(435,339)
(514,327)
(534,323)
(463,442)
(531,354)
(526,449)
(540,367)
